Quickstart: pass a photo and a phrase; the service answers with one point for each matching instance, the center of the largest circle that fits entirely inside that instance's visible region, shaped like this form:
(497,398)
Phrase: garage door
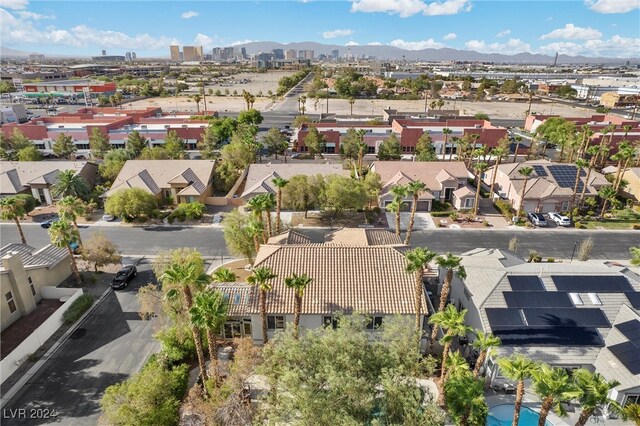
(423,206)
(549,207)
(530,206)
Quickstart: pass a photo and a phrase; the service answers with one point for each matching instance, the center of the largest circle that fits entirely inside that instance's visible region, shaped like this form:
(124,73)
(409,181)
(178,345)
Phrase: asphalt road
(108,347)
(556,242)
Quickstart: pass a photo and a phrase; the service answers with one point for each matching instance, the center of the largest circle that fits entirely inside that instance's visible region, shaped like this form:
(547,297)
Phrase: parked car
(108,218)
(47,223)
(537,219)
(559,219)
(123,276)
(217,218)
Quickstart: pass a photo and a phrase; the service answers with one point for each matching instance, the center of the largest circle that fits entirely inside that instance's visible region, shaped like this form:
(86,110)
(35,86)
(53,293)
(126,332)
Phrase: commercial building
(618,100)
(335,54)
(290,55)
(66,88)
(175,53)
(192,53)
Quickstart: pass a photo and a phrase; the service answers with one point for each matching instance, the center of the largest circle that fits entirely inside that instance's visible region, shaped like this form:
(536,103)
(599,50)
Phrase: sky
(606,28)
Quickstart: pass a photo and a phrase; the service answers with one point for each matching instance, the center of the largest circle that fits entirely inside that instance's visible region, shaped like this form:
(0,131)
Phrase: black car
(123,276)
(47,224)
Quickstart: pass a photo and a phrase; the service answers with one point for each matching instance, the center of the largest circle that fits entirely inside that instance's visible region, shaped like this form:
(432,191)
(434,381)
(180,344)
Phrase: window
(246,326)
(39,145)
(371,150)
(33,289)
(329,321)
(436,195)
(275,322)
(468,202)
(632,399)
(30,280)
(374,323)
(565,206)
(82,145)
(11,302)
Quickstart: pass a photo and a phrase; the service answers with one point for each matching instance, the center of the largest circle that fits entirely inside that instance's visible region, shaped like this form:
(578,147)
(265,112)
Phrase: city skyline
(593,28)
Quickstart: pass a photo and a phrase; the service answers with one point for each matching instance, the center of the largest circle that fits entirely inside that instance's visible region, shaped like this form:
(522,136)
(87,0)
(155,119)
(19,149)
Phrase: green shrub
(376,210)
(187,211)
(636,226)
(580,225)
(485,223)
(550,260)
(444,213)
(176,344)
(77,308)
(504,207)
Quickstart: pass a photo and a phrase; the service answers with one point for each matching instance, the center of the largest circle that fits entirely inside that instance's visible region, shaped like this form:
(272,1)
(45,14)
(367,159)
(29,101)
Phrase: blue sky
(608,28)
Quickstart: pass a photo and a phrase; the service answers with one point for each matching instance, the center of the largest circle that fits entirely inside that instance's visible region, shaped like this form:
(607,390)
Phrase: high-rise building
(216,54)
(290,55)
(243,52)
(300,54)
(133,56)
(175,52)
(127,56)
(104,52)
(199,53)
(192,53)
(335,54)
(228,54)
(278,53)
(308,54)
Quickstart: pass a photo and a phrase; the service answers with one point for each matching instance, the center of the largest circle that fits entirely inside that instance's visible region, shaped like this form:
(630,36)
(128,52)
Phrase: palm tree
(224,275)
(594,391)
(635,255)
(446,132)
(526,172)
(593,152)
(208,313)
(518,368)
(256,204)
(479,168)
(279,183)
(63,235)
(399,192)
(465,395)
(553,385)
(413,189)
(248,98)
(260,278)
(418,260)
(69,208)
(453,266)
(484,342)
(626,153)
(197,98)
(452,321)
(12,208)
(608,194)
(68,183)
(580,165)
(631,412)
(456,365)
(268,203)
(298,283)
(499,154)
(351,102)
(186,276)
(256,230)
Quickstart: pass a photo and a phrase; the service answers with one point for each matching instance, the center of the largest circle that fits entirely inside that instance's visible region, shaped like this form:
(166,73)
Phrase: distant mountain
(7,52)
(444,54)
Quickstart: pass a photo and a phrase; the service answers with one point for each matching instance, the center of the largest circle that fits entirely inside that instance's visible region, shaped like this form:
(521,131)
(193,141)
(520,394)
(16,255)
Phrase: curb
(38,365)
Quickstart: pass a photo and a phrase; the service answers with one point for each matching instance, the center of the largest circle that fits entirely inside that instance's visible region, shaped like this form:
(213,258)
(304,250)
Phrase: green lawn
(623,219)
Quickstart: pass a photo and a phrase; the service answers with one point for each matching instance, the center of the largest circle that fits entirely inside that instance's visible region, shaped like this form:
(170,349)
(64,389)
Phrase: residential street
(150,240)
(108,347)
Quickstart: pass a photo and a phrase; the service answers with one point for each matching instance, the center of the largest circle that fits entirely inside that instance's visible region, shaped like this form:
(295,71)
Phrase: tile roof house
(549,187)
(632,175)
(356,270)
(559,313)
(260,176)
(446,181)
(36,177)
(24,271)
(185,181)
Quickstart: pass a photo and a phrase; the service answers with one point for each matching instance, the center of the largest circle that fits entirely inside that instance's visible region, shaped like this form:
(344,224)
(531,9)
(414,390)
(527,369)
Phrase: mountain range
(444,54)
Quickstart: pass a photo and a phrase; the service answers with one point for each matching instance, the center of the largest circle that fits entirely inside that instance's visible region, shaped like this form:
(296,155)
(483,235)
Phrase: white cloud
(406,8)
(616,46)
(571,32)
(503,33)
(612,6)
(35,16)
(189,14)
(14,4)
(416,45)
(206,41)
(450,36)
(239,42)
(374,43)
(352,43)
(337,33)
(511,47)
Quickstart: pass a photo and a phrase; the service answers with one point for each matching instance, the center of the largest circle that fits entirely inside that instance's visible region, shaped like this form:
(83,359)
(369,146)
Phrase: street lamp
(575,245)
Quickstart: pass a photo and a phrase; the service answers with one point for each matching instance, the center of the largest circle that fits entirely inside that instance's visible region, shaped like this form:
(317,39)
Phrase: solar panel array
(592,284)
(525,283)
(628,353)
(634,299)
(549,336)
(565,176)
(566,317)
(540,171)
(535,299)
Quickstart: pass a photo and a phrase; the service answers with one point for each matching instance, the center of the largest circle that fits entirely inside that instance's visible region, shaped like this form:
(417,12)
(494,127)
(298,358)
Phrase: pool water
(502,415)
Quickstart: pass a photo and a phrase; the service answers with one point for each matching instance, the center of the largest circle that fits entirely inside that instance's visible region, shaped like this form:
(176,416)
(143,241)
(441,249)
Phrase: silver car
(559,219)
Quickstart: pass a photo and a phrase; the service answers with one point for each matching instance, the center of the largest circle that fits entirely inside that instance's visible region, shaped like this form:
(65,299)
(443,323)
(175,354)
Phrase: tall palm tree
(456,365)
(580,165)
(626,153)
(594,391)
(413,189)
(465,395)
(526,172)
(553,385)
(515,154)
(631,412)
(184,277)
(208,313)
(453,265)
(69,183)
(280,183)
(351,102)
(446,132)
(297,283)
(224,275)
(197,98)
(418,260)
(63,235)
(12,208)
(256,229)
(499,153)
(452,321)
(256,204)
(518,368)
(268,203)
(593,152)
(399,193)
(260,278)
(603,140)
(479,168)
(483,343)
(69,208)
(608,194)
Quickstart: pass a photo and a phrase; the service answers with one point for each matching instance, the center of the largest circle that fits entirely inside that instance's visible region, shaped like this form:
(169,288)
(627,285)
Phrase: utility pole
(327,99)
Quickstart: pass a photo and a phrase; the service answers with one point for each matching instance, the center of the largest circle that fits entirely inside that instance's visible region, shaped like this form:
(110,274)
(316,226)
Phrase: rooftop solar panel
(525,283)
(629,355)
(504,317)
(592,283)
(566,317)
(631,330)
(634,299)
(537,299)
(540,171)
(549,336)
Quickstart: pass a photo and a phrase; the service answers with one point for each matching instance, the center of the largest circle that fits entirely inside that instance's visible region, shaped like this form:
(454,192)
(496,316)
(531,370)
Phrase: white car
(108,218)
(559,219)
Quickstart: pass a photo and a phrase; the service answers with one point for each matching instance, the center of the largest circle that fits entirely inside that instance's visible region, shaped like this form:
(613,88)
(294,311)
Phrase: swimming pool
(502,415)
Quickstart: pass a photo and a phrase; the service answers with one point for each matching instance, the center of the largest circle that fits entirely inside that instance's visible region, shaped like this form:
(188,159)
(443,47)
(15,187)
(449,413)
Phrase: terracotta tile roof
(238,296)
(15,176)
(289,237)
(362,237)
(431,173)
(367,279)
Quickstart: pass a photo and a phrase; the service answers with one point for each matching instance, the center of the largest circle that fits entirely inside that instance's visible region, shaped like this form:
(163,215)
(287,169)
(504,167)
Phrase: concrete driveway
(422,221)
(109,346)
